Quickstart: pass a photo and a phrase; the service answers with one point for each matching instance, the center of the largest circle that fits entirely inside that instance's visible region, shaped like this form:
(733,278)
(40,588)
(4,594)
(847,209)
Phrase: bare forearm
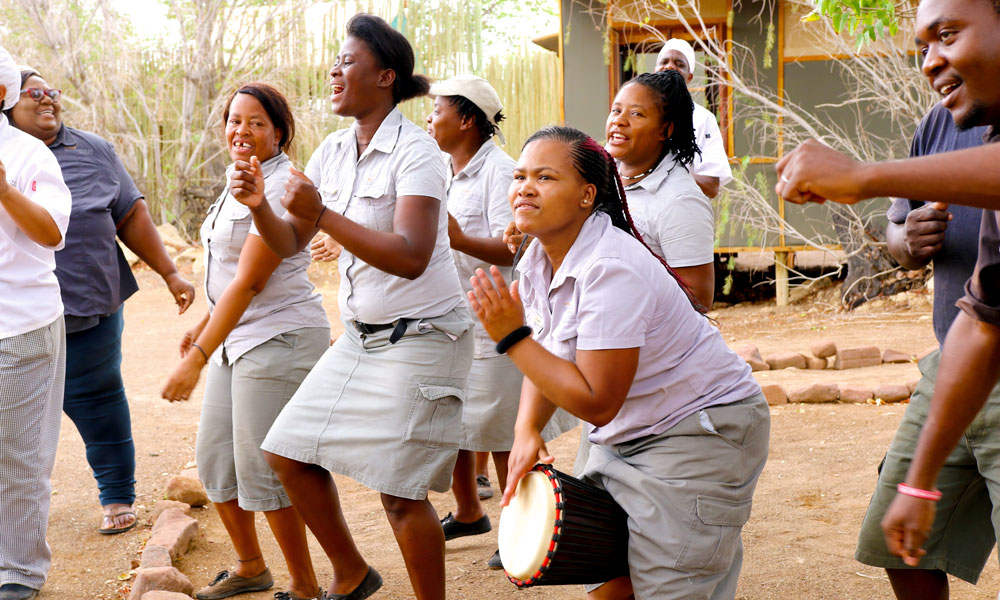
(561,382)
(894,236)
(534,411)
(279,234)
(224,317)
(971,178)
(139,234)
(490,250)
(31,218)
(387,251)
(966,374)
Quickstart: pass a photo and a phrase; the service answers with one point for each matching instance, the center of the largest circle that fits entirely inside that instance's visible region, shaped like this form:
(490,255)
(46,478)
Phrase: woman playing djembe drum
(678,424)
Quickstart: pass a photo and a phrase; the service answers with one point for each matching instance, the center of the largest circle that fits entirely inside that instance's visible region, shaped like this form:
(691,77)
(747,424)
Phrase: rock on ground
(162,505)
(824,349)
(785,360)
(814,363)
(173,530)
(895,356)
(775,394)
(892,393)
(154,555)
(856,394)
(188,490)
(167,579)
(815,393)
(853,358)
(162,595)
(912,385)
(751,354)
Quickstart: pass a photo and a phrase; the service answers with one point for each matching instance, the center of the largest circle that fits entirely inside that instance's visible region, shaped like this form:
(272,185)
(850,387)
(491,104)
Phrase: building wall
(584,70)
(808,84)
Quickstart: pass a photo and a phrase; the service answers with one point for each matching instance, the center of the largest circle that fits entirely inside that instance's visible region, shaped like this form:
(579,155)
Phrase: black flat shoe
(494,562)
(16,591)
(456,529)
(372,582)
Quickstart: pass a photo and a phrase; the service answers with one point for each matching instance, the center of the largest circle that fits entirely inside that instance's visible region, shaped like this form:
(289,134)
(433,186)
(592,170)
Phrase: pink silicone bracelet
(918,493)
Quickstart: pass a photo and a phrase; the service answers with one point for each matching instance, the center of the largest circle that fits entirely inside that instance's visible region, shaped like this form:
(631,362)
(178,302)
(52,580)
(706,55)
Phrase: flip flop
(113,516)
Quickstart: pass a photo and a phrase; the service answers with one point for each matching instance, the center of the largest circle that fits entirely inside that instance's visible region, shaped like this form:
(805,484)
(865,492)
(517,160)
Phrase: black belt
(398,328)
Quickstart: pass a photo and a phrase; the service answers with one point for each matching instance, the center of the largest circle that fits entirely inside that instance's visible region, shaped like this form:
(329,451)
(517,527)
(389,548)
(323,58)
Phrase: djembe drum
(559,530)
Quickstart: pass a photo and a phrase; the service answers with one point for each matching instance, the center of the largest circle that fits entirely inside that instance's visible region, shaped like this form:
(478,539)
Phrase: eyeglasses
(37,94)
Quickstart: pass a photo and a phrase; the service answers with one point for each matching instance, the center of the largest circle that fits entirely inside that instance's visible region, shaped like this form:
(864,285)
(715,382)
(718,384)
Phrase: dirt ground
(799,541)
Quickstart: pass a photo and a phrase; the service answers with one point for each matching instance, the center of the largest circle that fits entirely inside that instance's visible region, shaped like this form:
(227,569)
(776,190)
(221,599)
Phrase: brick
(785,360)
(853,358)
(167,579)
(895,356)
(815,393)
(824,349)
(892,393)
(856,394)
(775,394)
(174,531)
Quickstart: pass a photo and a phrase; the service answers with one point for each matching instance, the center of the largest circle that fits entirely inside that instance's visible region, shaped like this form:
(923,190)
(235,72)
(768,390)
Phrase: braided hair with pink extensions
(597,167)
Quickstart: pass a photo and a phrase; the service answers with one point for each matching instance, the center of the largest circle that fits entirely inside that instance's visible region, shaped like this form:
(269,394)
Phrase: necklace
(630,177)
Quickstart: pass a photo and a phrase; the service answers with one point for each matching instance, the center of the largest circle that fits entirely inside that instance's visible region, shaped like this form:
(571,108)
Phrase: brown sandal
(112,516)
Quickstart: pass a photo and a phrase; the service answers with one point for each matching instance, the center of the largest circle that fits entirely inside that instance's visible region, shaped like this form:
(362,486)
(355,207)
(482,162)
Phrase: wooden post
(781,278)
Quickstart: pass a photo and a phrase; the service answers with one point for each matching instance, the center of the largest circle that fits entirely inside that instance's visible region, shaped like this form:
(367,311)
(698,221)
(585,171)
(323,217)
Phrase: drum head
(527,526)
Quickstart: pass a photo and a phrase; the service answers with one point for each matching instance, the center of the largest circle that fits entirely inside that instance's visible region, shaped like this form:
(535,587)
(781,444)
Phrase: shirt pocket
(563,336)
(233,226)
(468,211)
(330,194)
(375,205)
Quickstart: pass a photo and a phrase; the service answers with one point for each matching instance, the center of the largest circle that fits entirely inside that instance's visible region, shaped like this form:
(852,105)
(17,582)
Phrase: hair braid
(676,108)
(597,167)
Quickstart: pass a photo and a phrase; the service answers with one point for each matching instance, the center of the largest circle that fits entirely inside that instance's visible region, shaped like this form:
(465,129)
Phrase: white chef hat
(10,78)
(683,47)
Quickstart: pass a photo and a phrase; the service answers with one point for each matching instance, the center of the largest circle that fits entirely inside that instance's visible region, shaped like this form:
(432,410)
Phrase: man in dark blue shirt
(963,537)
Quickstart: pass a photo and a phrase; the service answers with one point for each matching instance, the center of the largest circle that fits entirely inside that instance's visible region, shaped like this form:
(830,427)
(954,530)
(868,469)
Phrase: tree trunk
(871,270)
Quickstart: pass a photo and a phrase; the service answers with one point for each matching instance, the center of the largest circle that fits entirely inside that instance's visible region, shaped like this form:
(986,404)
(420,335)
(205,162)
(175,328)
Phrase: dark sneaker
(494,561)
(371,583)
(483,487)
(16,591)
(225,585)
(456,529)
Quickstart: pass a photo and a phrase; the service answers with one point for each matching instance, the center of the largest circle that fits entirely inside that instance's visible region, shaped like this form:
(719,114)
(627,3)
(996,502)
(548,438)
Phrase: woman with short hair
(384,404)
(265,329)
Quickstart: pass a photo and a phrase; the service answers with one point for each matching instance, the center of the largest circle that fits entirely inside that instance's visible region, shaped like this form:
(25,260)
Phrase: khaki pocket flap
(718,511)
(436,392)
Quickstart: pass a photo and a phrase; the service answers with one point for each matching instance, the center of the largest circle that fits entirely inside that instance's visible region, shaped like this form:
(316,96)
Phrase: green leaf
(811,17)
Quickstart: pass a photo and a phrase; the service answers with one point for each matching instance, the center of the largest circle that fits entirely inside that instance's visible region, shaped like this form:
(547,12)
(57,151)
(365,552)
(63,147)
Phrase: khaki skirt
(386,415)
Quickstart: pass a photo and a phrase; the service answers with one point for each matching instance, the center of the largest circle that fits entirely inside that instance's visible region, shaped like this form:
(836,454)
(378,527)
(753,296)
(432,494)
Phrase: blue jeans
(95,401)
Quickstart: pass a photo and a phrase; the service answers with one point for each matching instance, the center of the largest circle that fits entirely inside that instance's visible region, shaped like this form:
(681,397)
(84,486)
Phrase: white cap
(681,46)
(10,78)
(475,89)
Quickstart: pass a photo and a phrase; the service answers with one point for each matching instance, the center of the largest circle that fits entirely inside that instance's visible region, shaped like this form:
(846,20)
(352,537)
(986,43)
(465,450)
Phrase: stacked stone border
(173,528)
(826,355)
